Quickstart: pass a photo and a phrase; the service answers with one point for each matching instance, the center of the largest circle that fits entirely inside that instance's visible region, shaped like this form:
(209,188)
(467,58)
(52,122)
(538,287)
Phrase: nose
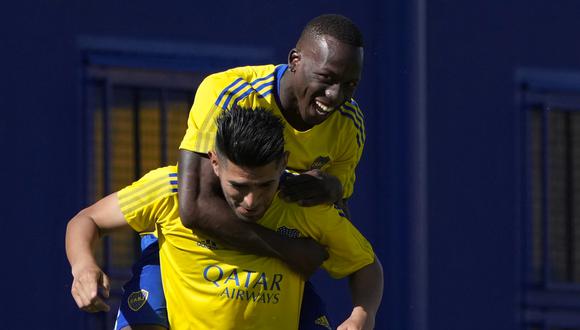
(334,92)
(250,201)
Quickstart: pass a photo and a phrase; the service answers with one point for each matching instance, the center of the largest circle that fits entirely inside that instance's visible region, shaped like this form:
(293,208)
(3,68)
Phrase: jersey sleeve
(144,201)
(348,249)
(201,128)
(352,143)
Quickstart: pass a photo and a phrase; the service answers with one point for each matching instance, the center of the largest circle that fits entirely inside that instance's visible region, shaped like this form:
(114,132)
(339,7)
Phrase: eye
(323,77)
(266,185)
(237,186)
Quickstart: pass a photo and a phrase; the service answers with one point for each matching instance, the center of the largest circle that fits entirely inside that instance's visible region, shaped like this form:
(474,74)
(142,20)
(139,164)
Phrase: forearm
(81,233)
(215,219)
(366,286)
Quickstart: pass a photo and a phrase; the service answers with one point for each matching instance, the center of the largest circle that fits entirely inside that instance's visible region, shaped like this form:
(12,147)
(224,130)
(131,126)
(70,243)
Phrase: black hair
(249,137)
(336,26)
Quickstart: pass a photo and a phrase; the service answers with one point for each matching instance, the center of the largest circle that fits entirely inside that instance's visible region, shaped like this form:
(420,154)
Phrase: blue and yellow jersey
(208,286)
(334,146)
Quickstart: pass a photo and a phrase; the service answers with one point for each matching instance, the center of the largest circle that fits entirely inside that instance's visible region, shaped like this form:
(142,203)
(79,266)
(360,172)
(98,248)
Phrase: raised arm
(366,286)
(202,207)
(81,233)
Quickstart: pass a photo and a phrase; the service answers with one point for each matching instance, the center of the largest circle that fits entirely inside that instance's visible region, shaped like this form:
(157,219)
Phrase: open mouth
(322,109)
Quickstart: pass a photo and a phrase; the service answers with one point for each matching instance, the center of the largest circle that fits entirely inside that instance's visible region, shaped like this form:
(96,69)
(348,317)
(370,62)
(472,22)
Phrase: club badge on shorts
(137,299)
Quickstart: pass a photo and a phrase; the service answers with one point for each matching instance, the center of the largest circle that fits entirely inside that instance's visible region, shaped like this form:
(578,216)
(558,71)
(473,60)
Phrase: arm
(202,207)
(81,233)
(366,286)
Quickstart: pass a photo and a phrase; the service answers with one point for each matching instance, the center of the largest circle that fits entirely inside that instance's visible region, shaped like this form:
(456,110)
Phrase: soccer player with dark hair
(325,136)
(209,285)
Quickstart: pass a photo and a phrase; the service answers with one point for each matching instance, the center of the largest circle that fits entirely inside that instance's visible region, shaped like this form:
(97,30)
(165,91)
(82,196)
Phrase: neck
(289,104)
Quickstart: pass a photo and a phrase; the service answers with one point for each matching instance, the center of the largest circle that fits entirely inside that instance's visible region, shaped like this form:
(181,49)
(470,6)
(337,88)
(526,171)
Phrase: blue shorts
(143,301)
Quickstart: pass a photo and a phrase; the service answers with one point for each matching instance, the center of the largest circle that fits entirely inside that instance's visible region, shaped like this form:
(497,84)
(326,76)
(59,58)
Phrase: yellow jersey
(209,286)
(335,146)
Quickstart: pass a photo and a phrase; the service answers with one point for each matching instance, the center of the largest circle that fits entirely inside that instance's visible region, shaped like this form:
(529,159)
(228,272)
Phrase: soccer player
(324,133)
(208,285)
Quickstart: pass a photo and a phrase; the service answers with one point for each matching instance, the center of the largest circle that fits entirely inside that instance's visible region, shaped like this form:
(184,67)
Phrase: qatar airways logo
(245,285)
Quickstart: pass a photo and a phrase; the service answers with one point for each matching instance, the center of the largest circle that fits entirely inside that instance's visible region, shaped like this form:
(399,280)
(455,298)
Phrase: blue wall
(473,50)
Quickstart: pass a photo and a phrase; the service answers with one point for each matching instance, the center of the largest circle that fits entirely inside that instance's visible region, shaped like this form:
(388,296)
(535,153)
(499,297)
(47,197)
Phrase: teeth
(323,107)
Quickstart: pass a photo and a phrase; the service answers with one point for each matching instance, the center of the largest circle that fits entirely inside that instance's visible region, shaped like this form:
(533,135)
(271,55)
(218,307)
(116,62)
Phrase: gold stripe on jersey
(206,133)
(160,184)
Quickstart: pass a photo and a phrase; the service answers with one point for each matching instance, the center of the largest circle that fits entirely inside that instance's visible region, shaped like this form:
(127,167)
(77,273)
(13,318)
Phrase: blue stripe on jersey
(358,114)
(266,93)
(219,99)
(271,83)
(232,93)
(174,190)
(339,210)
(172,175)
(355,104)
(173,182)
(241,97)
(242,86)
(279,73)
(349,115)
(263,78)
(249,91)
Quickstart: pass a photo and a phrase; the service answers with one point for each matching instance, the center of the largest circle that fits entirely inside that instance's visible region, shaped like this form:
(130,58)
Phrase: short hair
(249,137)
(336,26)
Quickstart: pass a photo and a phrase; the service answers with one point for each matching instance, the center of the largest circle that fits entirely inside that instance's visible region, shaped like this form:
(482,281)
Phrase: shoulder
(351,115)
(248,74)
(155,186)
(349,122)
(231,86)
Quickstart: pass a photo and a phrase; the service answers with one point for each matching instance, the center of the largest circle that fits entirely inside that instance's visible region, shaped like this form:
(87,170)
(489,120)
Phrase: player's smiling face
(249,191)
(327,74)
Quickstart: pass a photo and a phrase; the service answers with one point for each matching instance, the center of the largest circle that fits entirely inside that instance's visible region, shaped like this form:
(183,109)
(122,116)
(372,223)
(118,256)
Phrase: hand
(305,256)
(359,320)
(87,282)
(310,188)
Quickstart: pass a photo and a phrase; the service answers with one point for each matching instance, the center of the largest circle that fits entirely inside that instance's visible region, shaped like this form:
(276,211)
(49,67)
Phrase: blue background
(438,186)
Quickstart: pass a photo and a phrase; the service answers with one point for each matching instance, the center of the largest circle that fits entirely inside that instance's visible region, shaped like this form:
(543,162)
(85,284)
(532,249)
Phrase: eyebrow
(247,184)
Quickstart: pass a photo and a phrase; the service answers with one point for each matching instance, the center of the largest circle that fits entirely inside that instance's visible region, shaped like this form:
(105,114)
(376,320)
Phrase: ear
(215,162)
(294,57)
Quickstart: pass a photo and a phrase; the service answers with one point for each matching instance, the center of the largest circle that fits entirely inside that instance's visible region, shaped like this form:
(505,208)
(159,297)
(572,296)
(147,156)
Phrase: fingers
(105,285)
(303,189)
(85,294)
(98,305)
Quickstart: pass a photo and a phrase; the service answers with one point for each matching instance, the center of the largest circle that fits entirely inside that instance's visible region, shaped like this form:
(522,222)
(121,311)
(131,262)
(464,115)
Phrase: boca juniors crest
(137,299)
